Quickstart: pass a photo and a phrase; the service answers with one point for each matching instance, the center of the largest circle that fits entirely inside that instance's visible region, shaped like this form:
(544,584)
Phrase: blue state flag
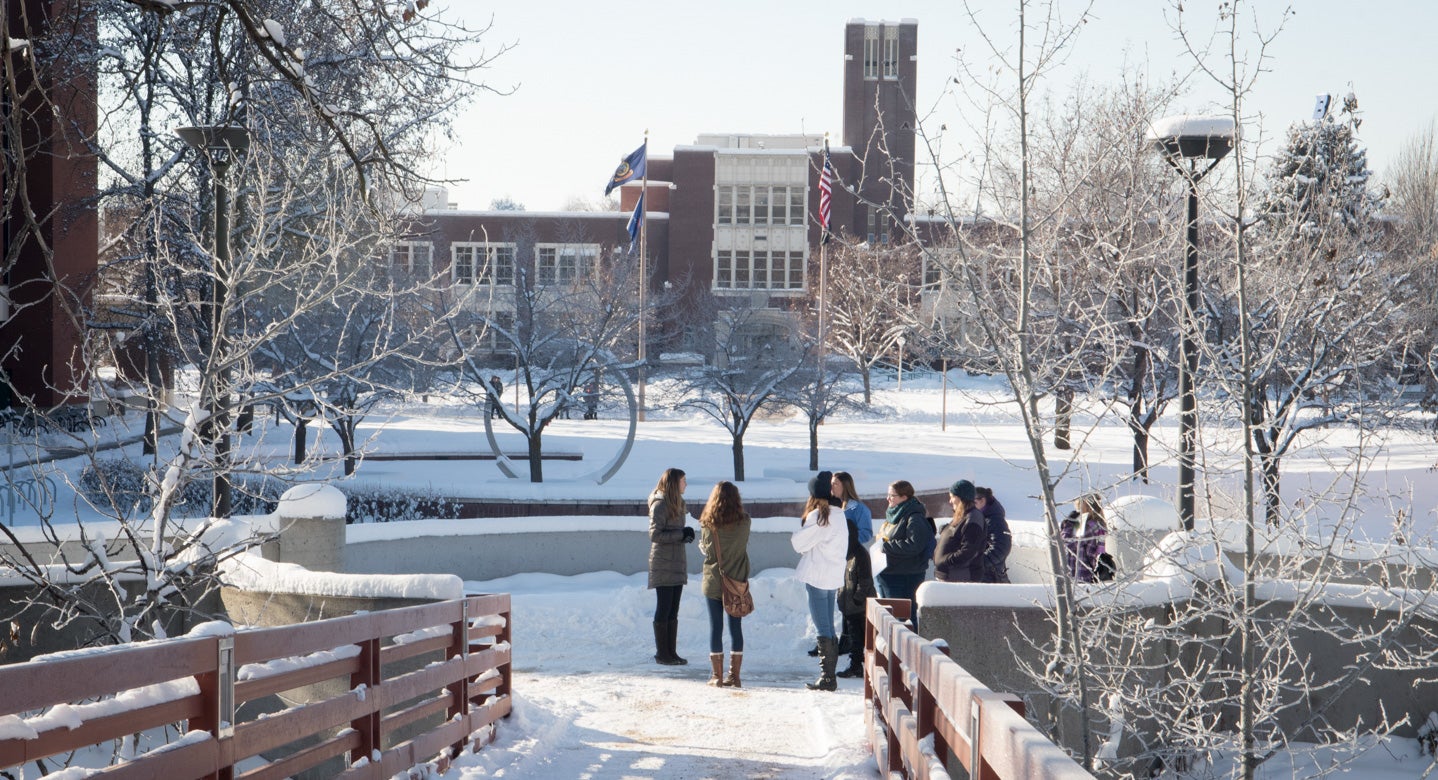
(632,168)
(634,221)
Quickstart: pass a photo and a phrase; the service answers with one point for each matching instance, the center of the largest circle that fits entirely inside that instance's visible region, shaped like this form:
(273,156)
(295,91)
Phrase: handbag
(736,598)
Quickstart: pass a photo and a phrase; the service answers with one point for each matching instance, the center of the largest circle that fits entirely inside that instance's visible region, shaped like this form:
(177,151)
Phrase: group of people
(835,564)
(589,394)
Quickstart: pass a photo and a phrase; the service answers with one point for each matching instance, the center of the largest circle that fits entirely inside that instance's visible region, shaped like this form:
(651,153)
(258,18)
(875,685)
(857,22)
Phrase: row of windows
(760,204)
(873,64)
(758,270)
(493,264)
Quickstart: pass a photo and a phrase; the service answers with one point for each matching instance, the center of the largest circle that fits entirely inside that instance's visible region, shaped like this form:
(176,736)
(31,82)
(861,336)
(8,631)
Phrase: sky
(589,79)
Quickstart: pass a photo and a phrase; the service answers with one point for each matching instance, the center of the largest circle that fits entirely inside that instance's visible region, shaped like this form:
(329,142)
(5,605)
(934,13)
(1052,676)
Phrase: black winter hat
(964,489)
(819,486)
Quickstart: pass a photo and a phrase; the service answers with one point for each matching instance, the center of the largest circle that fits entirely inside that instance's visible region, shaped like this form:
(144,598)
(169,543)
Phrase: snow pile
(250,572)
(304,502)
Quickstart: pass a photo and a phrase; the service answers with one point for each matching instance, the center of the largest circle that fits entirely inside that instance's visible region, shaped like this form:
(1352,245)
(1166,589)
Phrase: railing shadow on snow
(416,684)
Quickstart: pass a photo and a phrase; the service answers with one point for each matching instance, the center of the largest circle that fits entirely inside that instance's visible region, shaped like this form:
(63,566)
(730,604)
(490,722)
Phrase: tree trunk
(536,464)
(1135,415)
(868,387)
(1063,418)
(346,430)
(1140,454)
(1272,498)
(300,424)
(814,443)
(738,448)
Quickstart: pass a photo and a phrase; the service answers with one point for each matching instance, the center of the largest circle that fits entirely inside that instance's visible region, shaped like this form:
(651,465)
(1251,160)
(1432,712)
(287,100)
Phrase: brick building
(729,216)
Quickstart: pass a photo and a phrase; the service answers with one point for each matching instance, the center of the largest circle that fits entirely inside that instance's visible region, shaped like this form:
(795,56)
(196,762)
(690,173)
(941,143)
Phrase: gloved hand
(688,535)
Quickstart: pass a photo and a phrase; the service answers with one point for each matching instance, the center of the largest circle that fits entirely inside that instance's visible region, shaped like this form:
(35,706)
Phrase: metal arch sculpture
(600,475)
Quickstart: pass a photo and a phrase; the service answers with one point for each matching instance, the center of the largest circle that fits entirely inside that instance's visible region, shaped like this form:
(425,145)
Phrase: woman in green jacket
(724,533)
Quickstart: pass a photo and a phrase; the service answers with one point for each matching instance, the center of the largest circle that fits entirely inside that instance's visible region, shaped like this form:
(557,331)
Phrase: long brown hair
(963,509)
(847,481)
(1091,504)
(668,487)
(821,504)
(724,507)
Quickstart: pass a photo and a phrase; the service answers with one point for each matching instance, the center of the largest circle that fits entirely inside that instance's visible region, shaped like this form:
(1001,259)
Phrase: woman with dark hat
(821,544)
(959,554)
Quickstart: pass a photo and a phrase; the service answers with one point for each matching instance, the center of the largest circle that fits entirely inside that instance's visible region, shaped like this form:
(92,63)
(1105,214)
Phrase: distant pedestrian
(908,538)
(591,399)
(668,568)
(821,543)
(1083,534)
(842,486)
(1001,540)
(959,555)
(496,399)
(724,541)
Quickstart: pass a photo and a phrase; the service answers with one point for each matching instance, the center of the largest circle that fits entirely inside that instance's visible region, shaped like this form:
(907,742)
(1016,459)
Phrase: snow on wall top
(252,573)
(310,501)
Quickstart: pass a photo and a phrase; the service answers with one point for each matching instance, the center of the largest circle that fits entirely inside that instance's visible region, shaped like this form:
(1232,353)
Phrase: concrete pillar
(312,528)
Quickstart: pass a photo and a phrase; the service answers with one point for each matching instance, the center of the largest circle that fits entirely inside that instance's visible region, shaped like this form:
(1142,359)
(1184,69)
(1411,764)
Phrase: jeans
(666,602)
(821,610)
(901,586)
(716,628)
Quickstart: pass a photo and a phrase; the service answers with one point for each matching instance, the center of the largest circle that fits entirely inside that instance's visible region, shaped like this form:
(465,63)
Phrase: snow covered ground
(589,700)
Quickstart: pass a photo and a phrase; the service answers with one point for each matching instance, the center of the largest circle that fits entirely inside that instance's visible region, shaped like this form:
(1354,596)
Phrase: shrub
(387,505)
(122,488)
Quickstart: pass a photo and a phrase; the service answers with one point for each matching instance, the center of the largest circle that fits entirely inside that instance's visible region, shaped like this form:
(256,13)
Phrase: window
(726,205)
(891,52)
(758,270)
(564,264)
(796,205)
(741,206)
(411,257)
(487,263)
(761,205)
(780,204)
(871,51)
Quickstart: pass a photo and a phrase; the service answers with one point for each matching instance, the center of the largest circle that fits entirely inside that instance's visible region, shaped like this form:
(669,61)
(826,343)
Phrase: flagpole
(823,278)
(643,275)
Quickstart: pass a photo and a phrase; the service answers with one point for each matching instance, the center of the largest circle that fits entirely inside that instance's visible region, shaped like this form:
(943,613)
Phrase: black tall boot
(674,643)
(828,657)
(664,644)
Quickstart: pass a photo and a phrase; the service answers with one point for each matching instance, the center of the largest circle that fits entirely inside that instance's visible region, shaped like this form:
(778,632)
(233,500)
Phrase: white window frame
(403,254)
(564,264)
(482,263)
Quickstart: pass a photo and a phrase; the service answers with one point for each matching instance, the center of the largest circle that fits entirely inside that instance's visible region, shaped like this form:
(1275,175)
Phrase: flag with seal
(630,169)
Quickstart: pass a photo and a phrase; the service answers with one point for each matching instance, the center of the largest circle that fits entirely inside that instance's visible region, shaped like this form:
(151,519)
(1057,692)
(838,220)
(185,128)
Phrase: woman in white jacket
(822,543)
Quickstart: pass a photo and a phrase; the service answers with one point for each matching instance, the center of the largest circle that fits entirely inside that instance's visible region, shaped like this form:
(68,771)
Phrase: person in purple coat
(1083,535)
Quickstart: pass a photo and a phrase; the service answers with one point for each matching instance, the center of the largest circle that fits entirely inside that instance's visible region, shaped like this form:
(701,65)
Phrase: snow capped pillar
(312,527)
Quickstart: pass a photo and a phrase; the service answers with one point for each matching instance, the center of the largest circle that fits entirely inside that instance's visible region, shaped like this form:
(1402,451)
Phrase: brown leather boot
(736,660)
(716,667)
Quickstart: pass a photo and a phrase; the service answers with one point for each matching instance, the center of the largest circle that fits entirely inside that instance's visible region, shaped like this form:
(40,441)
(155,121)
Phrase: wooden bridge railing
(415,684)
(914,693)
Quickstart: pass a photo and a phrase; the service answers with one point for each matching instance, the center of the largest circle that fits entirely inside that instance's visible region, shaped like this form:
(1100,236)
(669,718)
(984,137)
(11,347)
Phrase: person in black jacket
(907,541)
(858,588)
(959,555)
(1001,541)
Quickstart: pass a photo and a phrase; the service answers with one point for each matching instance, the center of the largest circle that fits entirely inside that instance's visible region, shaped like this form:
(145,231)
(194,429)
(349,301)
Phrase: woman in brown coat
(668,568)
(724,536)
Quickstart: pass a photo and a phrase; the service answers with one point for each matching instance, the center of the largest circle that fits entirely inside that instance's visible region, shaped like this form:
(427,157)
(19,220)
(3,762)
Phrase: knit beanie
(964,489)
(819,486)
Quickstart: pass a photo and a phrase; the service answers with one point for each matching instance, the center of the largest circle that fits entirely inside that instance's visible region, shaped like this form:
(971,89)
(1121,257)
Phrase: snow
(254,573)
(303,502)
(1193,126)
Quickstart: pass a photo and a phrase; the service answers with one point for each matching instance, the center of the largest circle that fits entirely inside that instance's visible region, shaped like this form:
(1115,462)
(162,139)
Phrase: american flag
(826,194)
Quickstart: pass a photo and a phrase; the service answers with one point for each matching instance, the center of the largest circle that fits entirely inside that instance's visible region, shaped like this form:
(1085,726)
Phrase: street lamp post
(222,147)
(1192,139)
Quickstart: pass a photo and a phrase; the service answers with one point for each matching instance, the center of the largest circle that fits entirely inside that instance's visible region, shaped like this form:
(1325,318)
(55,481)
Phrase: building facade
(731,219)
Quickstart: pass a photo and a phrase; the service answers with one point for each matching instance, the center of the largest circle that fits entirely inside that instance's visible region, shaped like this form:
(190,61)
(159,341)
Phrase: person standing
(668,568)
(959,553)
(724,541)
(821,543)
(1001,541)
(591,399)
(908,540)
(858,585)
(1082,534)
(496,399)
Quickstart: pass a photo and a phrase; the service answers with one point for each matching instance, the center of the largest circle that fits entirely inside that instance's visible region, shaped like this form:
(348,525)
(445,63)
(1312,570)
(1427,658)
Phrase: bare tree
(872,290)
(756,352)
